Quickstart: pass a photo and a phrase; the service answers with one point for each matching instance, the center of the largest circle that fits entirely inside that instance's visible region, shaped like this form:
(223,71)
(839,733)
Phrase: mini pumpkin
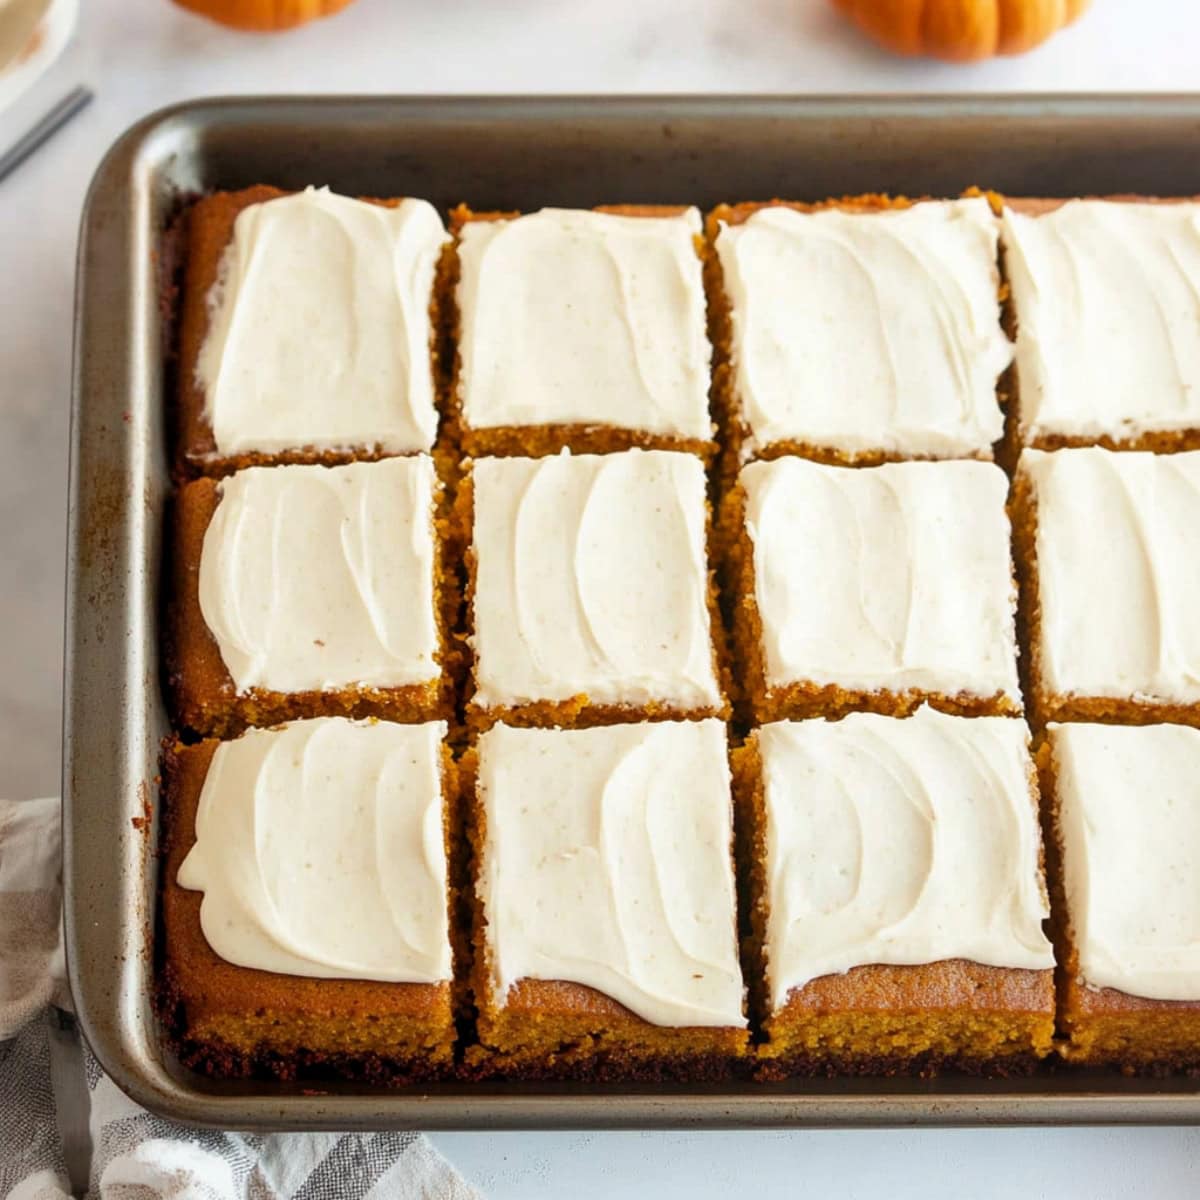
(961,30)
(263,16)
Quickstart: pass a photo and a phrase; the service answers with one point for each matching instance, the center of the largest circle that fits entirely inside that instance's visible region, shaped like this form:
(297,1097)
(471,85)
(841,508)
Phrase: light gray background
(140,54)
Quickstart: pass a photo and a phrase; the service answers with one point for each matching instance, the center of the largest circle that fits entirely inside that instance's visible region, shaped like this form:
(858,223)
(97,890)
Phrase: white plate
(33,33)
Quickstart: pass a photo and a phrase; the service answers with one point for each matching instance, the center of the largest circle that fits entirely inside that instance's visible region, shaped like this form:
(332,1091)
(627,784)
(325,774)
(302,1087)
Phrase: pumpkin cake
(1106,304)
(605,925)
(895,895)
(857,331)
(589,595)
(877,588)
(1126,817)
(304,590)
(1106,545)
(583,329)
(305,902)
(307,329)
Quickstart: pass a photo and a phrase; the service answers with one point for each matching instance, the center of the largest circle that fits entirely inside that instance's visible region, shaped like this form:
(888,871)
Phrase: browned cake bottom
(552,1029)
(537,441)
(1156,441)
(229,1021)
(217,466)
(890,1020)
(834,456)
(1106,1027)
(800,700)
(1103,1026)
(577,713)
(759,703)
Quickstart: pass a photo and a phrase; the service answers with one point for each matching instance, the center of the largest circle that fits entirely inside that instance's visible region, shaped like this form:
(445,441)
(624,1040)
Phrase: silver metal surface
(30,142)
(494,153)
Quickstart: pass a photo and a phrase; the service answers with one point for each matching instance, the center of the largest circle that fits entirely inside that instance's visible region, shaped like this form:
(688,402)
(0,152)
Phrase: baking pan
(497,154)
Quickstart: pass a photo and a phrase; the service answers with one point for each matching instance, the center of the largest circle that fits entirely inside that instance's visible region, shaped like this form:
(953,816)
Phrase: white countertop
(139,57)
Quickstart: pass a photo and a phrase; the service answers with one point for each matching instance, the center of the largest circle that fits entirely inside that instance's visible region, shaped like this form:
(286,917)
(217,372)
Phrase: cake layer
(1114,539)
(320,852)
(1129,820)
(900,842)
(314,578)
(318,332)
(866,332)
(905,1020)
(584,318)
(1107,302)
(606,861)
(591,579)
(889,579)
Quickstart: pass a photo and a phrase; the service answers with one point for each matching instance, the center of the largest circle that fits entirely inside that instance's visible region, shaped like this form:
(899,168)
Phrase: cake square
(859,331)
(589,593)
(897,897)
(308,329)
(303,591)
(1126,804)
(583,329)
(1107,545)
(1106,301)
(305,901)
(605,925)
(874,588)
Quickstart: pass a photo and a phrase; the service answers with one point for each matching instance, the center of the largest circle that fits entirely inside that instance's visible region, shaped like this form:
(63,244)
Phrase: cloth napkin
(52,1090)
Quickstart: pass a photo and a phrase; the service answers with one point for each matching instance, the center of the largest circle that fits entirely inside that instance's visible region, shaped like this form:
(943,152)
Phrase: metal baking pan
(497,154)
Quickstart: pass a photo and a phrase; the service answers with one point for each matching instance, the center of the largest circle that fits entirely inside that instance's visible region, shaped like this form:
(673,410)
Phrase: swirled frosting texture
(891,577)
(1107,298)
(608,862)
(322,577)
(1129,819)
(588,318)
(320,851)
(319,330)
(868,331)
(900,842)
(1118,536)
(591,578)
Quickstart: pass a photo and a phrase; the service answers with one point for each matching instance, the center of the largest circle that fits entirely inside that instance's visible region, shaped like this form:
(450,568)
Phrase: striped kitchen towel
(64,1126)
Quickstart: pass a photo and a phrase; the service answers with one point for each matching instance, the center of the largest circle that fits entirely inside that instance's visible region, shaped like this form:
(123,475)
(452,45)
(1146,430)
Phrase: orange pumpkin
(263,16)
(961,30)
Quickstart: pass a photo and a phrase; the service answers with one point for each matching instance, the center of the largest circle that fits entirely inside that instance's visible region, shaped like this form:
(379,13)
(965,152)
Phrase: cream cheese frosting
(1117,540)
(900,842)
(576,317)
(884,578)
(1107,297)
(873,331)
(608,862)
(314,578)
(319,330)
(320,851)
(1129,820)
(591,578)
